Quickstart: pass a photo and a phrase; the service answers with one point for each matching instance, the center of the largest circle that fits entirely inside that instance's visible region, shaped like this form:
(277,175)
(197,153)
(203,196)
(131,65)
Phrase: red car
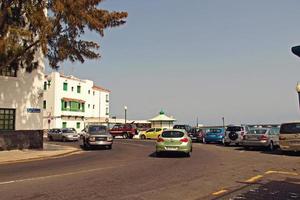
(125,130)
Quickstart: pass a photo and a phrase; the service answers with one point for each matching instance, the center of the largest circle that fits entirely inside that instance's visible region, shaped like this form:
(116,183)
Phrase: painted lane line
(219,192)
(254,179)
(58,175)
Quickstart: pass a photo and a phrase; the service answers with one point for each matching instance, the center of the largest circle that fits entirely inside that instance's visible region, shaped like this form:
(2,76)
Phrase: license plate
(171,148)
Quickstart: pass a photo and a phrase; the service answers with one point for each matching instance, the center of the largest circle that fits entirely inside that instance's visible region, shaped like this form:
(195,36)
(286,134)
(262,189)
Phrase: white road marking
(57,175)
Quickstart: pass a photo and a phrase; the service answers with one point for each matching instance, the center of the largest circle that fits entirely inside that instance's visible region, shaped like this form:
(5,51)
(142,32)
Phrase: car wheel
(64,139)
(188,154)
(226,144)
(125,136)
(50,138)
(130,136)
(109,146)
(143,137)
(271,146)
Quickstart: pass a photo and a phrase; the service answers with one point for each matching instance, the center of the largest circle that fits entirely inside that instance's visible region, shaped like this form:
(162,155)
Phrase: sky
(200,58)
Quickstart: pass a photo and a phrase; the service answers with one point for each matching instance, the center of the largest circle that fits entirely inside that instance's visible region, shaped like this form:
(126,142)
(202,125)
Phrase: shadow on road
(168,155)
(286,189)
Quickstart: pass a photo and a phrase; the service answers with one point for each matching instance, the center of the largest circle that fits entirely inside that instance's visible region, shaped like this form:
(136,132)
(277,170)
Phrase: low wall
(10,140)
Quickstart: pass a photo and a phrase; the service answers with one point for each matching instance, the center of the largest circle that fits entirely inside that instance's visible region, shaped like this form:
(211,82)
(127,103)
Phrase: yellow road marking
(282,172)
(254,179)
(219,192)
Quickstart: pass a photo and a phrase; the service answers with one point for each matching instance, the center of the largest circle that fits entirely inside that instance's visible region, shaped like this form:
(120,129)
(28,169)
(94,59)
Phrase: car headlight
(110,138)
(92,139)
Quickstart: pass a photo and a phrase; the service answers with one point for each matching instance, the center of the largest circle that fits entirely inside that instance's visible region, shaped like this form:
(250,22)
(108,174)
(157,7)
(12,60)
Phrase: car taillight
(263,137)
(160,139)
(282,138)
(184,140)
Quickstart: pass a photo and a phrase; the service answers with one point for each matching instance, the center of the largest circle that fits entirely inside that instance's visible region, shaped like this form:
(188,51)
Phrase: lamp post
(125,109)
(298,91)
(223,120)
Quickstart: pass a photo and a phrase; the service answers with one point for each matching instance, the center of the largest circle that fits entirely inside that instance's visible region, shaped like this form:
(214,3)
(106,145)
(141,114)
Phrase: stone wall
(25,139)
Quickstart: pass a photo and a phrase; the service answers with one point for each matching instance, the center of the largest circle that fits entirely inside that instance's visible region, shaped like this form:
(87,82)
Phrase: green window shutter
(78,88)
(78,125)
(64,124)
(62,104)
(65,86)
(45,85)
(44,104)
(83,105)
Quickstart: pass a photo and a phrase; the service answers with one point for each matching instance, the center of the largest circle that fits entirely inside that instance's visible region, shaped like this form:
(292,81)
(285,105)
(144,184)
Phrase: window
(44,104)
(8,72)
(45,85)
(78,125)
(89,91)
(93,106)
(89,105)
(7,119)
(107,98)
(64,124)
(72,89)
(94,93)
(107,111)
(78,88)
(65,86)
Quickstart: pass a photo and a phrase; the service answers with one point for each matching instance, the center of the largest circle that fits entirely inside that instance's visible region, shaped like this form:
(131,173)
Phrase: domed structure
(162,121)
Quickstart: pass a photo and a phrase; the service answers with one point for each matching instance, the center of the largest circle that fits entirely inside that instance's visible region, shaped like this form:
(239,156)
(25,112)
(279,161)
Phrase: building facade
(70,102)
(21,98)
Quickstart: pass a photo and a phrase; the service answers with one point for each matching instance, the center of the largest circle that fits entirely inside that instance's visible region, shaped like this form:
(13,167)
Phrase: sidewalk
(49,151)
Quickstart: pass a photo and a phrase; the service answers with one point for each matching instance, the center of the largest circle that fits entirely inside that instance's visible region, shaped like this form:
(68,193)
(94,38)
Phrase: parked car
(185,127)
(95,135)
(234,134)
(174,140)
(214,135)
(289,136)
(62,134)
(261,137)
(197,134)
(125,130)
(151,133)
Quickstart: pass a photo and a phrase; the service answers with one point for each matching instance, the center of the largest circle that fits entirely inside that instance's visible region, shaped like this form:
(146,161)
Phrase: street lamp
(125,109)
(298,91)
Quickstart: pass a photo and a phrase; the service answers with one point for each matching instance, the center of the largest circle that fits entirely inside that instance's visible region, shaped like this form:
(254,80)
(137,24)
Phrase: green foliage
(53,27)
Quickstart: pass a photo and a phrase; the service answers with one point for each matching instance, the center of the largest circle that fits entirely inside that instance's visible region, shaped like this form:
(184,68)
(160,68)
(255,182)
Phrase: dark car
(197,134)
(95,136)
(124,130)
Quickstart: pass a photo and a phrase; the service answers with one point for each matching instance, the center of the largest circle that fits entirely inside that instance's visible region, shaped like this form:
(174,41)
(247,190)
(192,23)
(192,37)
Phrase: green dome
(161,112)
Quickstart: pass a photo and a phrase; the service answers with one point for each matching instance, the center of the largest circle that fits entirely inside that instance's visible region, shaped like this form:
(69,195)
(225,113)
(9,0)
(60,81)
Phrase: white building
(21,99)
(162,121)
(71,102)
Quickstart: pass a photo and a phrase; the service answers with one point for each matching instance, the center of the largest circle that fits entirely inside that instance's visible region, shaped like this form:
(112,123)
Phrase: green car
(175,140)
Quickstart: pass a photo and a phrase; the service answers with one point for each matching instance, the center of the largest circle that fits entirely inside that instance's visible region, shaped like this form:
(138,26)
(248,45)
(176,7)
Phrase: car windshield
(179,127)
(258,131)
(97,130)
(234,128)
(172,134)
(68,130)
(291,128)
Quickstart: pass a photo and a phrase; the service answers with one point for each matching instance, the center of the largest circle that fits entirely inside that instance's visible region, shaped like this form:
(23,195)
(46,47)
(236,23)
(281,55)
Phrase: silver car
(95,136)
(63,134)
(261,137)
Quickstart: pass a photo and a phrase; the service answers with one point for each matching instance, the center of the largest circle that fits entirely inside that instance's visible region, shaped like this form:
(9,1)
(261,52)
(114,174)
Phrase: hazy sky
(200,58)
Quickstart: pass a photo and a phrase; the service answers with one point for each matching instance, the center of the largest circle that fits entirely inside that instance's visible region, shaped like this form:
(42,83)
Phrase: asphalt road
(131,171)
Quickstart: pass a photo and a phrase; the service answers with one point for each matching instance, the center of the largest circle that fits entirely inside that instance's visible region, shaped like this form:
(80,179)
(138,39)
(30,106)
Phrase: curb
(60,155)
